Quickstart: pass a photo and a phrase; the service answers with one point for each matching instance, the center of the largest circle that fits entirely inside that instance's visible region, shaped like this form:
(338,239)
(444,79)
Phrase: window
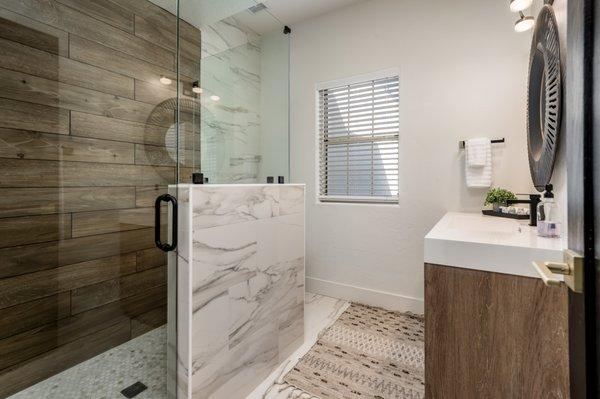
(358,139)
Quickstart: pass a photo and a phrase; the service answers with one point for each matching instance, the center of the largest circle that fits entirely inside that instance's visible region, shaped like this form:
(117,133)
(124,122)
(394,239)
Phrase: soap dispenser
(548,223)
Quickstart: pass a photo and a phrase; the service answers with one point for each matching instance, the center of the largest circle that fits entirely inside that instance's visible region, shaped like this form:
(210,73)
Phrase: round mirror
(544,98)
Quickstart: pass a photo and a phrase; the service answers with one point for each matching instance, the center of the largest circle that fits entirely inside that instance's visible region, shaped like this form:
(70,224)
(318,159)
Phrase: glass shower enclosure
(103,105)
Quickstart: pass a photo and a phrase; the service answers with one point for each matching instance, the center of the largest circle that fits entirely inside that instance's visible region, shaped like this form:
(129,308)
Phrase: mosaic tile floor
(104,376)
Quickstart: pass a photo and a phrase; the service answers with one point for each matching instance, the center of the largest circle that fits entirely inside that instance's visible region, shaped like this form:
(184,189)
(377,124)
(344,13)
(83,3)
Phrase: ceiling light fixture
(520,5)
(524,23)
(164,80)
(214,97)
(196,88)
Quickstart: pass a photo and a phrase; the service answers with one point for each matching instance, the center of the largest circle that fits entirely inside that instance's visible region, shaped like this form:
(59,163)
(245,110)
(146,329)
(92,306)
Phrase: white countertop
(501,245)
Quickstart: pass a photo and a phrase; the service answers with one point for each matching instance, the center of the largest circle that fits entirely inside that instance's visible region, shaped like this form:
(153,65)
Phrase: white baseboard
(367,296)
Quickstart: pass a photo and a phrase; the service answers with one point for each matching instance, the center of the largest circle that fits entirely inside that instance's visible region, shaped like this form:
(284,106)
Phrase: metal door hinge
(571,268)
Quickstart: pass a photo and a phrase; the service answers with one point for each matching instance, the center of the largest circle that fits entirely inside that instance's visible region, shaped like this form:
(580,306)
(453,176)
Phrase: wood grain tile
(25,259)
(154,155)
(33,229)
(29,32)
(146,196)
(39,201)
(33,173)
(148,321)
(35,117)
(70,20)
(149,30)
(92,296)
(154,93)
(24,144)
(104,10)
(28,315)
(18,57)
(27,287)
(142,307)
(94,53)
(59,359)
(106,128)
(24,87)
(162,19)
(100,222)
(150,258)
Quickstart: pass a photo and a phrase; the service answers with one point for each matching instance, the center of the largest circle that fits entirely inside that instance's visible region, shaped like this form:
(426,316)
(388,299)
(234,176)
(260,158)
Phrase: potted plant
(498,197)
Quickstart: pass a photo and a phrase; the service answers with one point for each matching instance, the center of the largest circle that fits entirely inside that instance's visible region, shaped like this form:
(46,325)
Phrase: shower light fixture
(164,80)
(214,97)
(520,5)
(196,88)
(524,23)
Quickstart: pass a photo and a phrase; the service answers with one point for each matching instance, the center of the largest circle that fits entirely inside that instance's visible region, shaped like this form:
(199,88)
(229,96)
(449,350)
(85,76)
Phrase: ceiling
(292,11)
(288,12)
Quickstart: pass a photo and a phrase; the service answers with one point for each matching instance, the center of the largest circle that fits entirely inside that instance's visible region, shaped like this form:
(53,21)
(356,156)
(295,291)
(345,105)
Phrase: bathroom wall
(463,73)
(85,133)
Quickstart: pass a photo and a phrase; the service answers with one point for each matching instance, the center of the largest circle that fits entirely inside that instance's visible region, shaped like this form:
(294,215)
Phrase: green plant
(499,196)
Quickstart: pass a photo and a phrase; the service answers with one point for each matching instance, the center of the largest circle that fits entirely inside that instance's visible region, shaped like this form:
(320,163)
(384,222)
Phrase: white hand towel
(478,176)
(476,151)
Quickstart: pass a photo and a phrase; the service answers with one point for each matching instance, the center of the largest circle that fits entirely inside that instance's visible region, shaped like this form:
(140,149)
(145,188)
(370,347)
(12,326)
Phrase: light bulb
(214,97)
(524,23)
(520,5)
(164,80)
(196,88)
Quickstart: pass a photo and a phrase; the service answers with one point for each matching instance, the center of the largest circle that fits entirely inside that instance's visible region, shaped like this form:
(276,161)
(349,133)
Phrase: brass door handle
(571,268)
(547,270)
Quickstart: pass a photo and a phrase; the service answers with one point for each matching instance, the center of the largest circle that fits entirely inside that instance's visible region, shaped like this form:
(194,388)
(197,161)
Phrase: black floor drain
(133,390)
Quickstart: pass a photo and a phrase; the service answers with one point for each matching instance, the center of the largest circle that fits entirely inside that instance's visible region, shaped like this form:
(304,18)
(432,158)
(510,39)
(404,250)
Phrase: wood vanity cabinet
(491,335)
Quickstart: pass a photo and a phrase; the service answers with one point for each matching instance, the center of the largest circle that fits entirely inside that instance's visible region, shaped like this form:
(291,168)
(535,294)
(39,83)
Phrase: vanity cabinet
(493,335)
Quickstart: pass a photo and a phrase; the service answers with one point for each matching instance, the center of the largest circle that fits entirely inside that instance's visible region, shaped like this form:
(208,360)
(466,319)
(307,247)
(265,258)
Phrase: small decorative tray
(489,212)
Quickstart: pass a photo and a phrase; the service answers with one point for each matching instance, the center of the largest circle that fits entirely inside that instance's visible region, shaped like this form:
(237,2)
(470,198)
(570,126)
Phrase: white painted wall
(463,73)
(274,105)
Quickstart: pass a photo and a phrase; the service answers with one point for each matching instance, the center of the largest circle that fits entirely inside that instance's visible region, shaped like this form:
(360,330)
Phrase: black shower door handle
(164,246)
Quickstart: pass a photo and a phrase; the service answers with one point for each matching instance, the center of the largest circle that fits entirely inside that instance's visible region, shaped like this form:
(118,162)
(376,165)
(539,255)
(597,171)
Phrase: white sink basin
(475,241)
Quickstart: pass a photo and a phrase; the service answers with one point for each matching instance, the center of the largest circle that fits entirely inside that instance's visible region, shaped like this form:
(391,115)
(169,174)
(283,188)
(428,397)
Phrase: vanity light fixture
(215,98)
(164,80)
(196,88)
(520,5)
(524,23)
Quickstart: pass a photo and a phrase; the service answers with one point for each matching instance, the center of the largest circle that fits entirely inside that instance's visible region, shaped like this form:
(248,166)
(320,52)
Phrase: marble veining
(241,286)
(231,126)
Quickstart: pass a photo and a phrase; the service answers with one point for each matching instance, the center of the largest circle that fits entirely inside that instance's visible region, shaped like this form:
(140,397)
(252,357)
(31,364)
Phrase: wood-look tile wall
(84,136)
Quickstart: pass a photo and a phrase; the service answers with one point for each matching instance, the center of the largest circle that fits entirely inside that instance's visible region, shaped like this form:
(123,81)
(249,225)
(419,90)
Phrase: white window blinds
(358,135)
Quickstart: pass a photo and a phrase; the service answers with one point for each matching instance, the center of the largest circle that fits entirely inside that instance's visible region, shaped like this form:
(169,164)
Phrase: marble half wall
(240,285)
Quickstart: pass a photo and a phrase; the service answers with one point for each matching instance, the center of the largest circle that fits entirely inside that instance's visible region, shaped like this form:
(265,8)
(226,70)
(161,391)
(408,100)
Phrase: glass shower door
(89,137)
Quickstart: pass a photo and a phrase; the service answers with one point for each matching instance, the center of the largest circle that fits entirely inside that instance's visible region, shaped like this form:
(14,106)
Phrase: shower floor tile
(142,359)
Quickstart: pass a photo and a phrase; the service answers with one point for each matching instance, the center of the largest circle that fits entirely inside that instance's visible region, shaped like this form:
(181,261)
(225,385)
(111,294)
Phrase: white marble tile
(320,313)
(291,200)
(230,205)
(231,127)
(246,283)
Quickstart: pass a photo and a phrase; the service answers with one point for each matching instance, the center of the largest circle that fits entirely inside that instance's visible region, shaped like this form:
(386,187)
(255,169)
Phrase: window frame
(356,79)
